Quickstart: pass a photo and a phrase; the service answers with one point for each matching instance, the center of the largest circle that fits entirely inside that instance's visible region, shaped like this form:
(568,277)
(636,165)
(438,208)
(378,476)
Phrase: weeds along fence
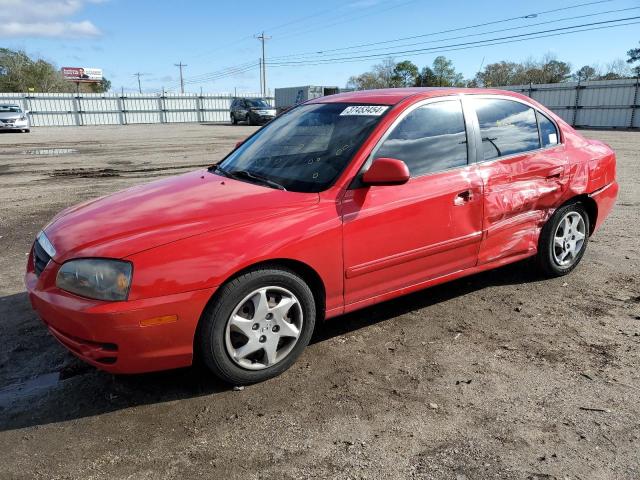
(592,104)
(62,109)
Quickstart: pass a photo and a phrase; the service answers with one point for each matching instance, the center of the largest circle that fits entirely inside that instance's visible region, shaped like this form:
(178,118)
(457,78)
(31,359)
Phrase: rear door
(402,235)
(522,163)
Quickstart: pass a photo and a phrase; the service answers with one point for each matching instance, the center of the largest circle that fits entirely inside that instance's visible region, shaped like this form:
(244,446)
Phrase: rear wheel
(258,326)
(563,240)
(249,120)
(234,121)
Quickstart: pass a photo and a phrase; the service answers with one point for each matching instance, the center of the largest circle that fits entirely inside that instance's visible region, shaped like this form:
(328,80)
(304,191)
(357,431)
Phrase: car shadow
(51,377)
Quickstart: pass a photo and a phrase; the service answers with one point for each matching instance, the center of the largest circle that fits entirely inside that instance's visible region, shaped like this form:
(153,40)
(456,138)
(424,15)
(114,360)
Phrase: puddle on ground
(18,391)
(50,151)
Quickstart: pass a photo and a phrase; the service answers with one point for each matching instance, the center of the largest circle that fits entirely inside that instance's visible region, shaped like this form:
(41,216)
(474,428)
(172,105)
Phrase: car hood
(161,212)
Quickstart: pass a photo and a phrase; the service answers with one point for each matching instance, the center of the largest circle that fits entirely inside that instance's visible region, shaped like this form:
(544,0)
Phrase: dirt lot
(500,375)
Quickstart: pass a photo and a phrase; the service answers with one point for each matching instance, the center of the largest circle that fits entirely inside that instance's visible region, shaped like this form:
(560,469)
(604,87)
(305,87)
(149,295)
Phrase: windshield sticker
(372,110)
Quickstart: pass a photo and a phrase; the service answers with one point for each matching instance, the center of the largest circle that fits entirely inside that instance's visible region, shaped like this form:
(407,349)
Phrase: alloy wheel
(568,239)
(263,328)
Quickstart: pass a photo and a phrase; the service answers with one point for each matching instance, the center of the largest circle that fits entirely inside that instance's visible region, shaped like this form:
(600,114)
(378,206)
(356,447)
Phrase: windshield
(10,108)
(258,102)
(305,149)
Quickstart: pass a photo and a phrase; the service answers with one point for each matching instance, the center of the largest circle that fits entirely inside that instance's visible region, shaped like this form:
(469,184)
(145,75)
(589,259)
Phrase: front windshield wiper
(252,176)
(246,175)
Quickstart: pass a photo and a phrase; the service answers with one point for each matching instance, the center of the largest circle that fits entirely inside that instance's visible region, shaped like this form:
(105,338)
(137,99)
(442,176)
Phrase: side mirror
(27,112)
(386,171)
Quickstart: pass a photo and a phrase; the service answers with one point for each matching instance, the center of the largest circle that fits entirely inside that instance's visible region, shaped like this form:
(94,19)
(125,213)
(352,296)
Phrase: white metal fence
(596,103)
(60,109)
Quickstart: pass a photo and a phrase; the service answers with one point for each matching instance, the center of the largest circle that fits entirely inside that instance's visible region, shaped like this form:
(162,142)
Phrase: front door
(399,236)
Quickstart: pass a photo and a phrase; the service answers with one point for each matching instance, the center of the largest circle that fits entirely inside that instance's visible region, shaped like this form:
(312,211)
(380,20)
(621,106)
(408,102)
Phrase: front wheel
(234,121)
(563,240)
(258,326)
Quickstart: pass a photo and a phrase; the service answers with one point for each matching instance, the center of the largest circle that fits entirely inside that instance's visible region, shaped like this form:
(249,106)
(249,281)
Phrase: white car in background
(12,117)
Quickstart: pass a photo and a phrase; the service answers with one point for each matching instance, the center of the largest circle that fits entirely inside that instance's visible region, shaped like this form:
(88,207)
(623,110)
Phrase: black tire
(211,332)
(249,120)
(234,121)
(546,258)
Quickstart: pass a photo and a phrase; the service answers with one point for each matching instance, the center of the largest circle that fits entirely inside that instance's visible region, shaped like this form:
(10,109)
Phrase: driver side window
(429,139)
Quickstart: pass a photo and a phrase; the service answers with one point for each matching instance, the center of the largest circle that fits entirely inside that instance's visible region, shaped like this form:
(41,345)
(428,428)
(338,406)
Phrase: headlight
(23,118)
(97,278)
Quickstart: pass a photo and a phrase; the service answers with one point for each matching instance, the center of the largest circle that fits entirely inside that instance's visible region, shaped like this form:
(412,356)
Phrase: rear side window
(548,131)
(506,127)
(429,139)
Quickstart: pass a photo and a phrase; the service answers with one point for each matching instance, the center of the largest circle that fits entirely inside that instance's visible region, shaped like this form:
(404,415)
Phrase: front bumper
(261,118)
(114,336)
(24,125)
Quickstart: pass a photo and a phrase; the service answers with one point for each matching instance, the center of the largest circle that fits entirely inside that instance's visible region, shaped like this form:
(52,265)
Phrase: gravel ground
(499,375)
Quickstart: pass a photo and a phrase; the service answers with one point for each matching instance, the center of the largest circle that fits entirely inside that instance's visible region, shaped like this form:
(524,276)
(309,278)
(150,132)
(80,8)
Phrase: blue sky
(125,37)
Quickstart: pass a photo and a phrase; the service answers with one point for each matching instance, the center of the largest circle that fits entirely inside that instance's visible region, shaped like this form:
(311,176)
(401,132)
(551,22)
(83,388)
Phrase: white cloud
(45,18)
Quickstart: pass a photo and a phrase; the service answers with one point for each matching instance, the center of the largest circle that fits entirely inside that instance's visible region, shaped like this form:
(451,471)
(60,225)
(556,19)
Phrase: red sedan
(340,203)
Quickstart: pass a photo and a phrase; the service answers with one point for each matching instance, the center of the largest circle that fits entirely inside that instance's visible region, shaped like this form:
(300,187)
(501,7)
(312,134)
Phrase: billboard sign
(82,74)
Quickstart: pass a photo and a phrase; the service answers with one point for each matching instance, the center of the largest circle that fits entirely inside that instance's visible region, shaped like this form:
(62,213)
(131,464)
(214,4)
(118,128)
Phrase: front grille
(8,120)
(40,258)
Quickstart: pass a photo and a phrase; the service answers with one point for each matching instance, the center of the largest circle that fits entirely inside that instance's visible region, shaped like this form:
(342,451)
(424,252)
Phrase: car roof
(392,96)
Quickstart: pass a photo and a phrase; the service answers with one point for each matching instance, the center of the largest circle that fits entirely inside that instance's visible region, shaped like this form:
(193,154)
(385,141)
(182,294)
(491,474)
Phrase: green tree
(405,74)
(380,76)
(100,87)
(20,73)
(497,74)
(445,73)
(426,78)
(546,70)
(585,73)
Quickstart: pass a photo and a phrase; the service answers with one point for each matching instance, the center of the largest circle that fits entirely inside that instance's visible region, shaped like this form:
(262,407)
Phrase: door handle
(463,198)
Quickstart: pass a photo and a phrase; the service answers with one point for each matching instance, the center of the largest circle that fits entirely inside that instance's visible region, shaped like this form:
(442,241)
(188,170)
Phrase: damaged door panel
(523,168)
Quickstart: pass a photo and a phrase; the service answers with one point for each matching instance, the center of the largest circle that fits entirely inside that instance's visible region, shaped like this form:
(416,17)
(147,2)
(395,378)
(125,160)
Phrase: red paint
(187,235)
(387,171)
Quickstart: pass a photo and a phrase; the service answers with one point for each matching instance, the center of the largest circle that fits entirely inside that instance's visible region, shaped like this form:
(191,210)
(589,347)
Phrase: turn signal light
(148,322)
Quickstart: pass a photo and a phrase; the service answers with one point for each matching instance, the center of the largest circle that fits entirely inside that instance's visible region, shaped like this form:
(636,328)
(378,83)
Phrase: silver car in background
(12,117)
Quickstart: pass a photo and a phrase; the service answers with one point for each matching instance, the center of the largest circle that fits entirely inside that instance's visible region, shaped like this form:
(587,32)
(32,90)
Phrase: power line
(181,66)
(426,50)
(457,29)
(326,53)
(241,68)
(342,19)
(481,43)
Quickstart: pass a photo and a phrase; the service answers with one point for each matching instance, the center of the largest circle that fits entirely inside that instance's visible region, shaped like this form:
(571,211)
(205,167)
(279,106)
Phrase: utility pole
(180,66)
(139,84)
(260,67)
(263,80)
